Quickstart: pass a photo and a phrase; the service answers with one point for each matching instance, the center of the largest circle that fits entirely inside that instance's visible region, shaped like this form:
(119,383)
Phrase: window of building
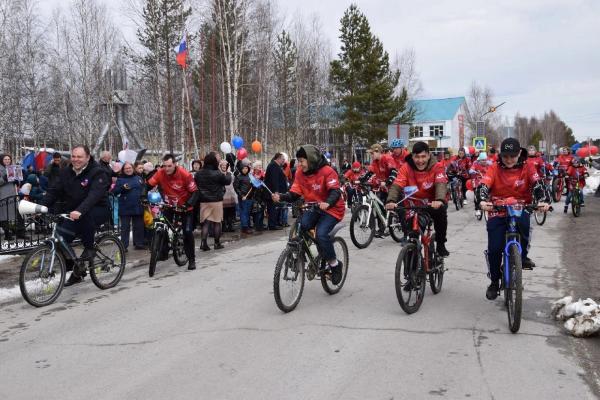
(436,130)
(416,131)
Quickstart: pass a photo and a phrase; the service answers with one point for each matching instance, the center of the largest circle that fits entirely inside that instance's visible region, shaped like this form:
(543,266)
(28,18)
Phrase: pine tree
(364,82)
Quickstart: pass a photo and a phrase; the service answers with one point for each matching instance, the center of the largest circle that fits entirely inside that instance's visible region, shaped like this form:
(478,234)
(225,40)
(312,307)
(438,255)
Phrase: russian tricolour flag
(182,52)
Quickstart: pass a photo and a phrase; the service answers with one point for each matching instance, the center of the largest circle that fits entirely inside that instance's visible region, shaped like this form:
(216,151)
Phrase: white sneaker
(478,213)
(465,202)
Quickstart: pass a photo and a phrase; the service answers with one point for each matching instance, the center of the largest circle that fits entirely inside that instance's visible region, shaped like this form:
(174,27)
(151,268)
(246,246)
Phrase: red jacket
(464,164)
(573,171)
(424,180)
(564,160)
(538,162)
(513,182)
(352,176)
(383,167)
(316,187)
(401,159)
(176,188)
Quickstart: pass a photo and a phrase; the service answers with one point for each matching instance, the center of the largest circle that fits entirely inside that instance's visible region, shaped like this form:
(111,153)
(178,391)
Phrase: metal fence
(18,234)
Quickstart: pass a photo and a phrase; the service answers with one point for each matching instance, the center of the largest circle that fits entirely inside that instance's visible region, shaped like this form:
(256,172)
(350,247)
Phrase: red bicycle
(418,258)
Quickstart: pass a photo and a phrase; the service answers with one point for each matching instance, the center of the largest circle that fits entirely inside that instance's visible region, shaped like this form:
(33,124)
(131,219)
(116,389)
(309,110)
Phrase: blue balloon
(238,142)
(575,147)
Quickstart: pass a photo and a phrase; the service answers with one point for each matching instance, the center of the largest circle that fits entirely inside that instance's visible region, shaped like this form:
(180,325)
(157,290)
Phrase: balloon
(471,150)
(225,147)
(242,153)
(256,146)
(575,147)
(127,156)
(237,141)
(583,152)
(594,150)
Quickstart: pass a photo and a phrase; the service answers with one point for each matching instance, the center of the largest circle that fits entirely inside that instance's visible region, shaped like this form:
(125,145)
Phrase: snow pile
(582,317)
(592,181)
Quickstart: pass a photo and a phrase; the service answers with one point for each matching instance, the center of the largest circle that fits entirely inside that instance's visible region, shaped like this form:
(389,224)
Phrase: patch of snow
(592,181)
(582,316)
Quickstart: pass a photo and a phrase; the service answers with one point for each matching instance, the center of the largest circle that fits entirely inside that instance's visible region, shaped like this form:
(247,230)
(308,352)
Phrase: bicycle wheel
(155,248)
(436,273)
(540,217)
(454,197)
(576,203)
(395,226)
(513,292)
(556,189)
(362,227)
(409,279)
(109,263)
(40,287)
(179,250)
(341,251)
(461,202)
(288,280)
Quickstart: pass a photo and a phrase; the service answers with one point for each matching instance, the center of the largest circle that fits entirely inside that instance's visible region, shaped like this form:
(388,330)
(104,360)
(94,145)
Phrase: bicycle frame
(374,203)
(513,237)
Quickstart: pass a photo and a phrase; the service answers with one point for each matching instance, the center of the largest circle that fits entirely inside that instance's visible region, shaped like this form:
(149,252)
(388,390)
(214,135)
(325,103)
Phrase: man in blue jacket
(276,181)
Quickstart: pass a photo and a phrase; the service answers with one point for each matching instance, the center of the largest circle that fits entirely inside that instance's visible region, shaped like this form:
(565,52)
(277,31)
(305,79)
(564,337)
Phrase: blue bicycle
(511,260)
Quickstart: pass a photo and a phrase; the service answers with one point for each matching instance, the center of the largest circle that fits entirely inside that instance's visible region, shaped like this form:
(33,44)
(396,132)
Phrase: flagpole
(189,107)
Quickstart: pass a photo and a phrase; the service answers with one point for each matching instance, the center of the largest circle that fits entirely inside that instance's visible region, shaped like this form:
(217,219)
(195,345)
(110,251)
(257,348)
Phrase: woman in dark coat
(211,186)
(130,188)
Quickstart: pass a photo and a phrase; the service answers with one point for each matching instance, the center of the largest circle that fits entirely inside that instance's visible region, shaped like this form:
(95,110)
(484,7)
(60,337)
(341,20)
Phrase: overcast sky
(536,55)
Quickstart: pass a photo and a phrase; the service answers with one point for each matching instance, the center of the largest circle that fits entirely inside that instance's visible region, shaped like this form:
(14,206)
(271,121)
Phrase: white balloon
(127,156)
(225,147)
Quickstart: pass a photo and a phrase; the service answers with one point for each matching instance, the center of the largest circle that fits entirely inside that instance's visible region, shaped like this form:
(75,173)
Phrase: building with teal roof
(439,122)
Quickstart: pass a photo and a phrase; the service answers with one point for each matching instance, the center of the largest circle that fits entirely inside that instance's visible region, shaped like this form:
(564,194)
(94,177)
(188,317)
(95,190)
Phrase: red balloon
(594,150)
(242,153)
(470,184)
(582,152)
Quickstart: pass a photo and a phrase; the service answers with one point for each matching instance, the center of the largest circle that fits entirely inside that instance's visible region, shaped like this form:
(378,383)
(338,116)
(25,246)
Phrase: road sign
(480,143)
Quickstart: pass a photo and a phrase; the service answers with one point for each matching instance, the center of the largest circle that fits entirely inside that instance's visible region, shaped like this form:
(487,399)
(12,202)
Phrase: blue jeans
(496,228)
(324,224)
(245,208)
(283,215)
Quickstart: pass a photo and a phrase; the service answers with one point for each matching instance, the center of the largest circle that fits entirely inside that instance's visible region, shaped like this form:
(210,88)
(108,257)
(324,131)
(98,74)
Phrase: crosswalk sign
(480,143)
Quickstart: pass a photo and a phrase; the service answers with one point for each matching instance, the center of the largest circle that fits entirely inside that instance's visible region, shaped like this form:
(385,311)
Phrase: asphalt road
(215,333)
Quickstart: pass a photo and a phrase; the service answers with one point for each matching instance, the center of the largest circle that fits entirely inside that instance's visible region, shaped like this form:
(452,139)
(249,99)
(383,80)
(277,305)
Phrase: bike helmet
(482,156)
(397,143)
(355,165)
(154,197)
(576,161)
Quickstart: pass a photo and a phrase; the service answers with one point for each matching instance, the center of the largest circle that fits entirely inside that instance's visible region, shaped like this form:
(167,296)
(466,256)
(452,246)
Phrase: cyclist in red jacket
(576,171)
(463,164)
(429,176)
(399,153)
(512,177)
(351,177)
(315,180)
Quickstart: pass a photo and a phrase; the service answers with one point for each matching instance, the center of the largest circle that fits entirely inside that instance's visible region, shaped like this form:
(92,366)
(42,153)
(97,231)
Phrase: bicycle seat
(336,229)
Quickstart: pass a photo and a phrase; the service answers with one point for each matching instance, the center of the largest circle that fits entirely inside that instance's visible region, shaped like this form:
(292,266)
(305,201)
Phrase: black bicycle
(298,262)
(456,191)
(168,234)
(42,275)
